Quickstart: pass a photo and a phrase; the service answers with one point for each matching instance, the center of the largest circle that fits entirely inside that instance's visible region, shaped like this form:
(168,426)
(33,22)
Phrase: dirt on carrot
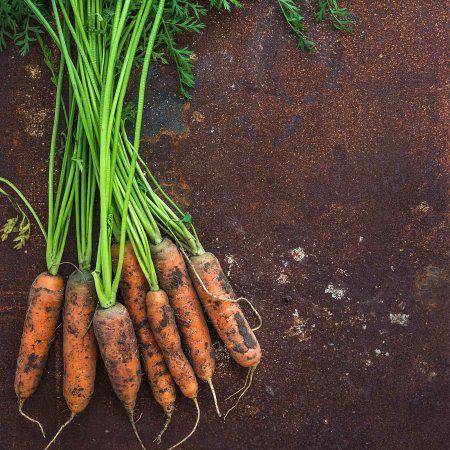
(79,344)
(44,306)
(162,322)
(134,289)
(226,315)
(174,278)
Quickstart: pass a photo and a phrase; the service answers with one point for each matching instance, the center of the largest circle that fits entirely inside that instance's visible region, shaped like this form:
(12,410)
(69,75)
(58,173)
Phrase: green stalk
(137,136)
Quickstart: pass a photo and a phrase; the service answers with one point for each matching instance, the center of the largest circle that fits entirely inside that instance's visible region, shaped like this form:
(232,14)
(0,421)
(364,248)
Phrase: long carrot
(44,305)
(174,278)
(117,343)
(162,322)
(134,288)
(79,345)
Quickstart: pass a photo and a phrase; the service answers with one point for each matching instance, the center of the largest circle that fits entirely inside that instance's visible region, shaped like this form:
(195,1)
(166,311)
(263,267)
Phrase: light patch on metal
(282,278)
(399,319)
(337,292)
(298,254)
(299,328)
(231,262)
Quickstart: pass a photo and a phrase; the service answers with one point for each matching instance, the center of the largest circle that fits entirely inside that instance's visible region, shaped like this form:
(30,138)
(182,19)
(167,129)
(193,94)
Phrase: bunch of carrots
(146,246)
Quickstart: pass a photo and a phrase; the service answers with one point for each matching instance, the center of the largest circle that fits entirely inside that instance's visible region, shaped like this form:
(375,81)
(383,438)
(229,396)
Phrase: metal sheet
(319,181)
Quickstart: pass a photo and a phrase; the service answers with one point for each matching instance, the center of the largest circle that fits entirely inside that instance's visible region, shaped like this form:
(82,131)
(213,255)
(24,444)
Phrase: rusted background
(319,181)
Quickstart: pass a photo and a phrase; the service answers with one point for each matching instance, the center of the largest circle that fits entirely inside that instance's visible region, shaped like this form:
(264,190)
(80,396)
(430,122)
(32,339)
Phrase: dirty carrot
(117,343)
(223,309)
(44,305)
(162,322)
(226,315)
(173,277)
(134,288)
(79,345)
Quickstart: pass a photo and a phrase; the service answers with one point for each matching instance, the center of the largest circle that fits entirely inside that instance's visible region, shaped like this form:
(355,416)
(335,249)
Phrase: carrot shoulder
(226,316)
(174,278)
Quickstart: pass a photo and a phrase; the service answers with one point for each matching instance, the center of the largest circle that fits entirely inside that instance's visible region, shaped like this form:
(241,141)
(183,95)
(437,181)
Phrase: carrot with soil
(79,345)
(174,278)
(162,322)
(221,305)
(134,287)
(47,291)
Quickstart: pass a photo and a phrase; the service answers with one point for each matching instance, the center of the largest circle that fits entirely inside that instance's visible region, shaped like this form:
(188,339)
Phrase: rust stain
(341,153)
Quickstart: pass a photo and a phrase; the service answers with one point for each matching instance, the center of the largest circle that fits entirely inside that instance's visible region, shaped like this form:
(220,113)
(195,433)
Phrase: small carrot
(226,316)
(134,288)
(44,305)
(118,346)
(79,345)
(162,322)
(222,307)
(174,278)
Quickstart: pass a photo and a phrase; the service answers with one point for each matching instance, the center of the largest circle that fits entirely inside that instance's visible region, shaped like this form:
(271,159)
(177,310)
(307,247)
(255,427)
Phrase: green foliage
(48,58)
(224,4)
(21,229)
(17,24)
(296,21)
(339,17)
(183,16)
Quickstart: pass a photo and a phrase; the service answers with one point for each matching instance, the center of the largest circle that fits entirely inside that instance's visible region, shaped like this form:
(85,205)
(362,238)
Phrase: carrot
(118,346)
(162,322)
(226,316)
(222,307)
(134,287)
(44,305)
(79,346)
(173,277)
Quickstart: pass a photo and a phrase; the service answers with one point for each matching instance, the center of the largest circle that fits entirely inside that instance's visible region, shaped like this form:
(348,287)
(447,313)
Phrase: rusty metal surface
(320,182)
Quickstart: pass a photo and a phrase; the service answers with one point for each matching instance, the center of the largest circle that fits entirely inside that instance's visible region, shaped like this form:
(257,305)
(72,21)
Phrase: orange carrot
(162,322)
(134,288)
(44,305)
(173,277)
(79,345)
(222,307)
(226,316)
(118,346)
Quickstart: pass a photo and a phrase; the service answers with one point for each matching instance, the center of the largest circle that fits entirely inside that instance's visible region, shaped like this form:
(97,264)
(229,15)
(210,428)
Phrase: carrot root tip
(166,425)
(213,391)
(193,429)
(64,425)
(241,388)
(247,385)
(133,425)
(21,402)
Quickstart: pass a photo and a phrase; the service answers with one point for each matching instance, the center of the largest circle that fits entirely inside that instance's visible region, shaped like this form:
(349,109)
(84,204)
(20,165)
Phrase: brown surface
(340,153)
